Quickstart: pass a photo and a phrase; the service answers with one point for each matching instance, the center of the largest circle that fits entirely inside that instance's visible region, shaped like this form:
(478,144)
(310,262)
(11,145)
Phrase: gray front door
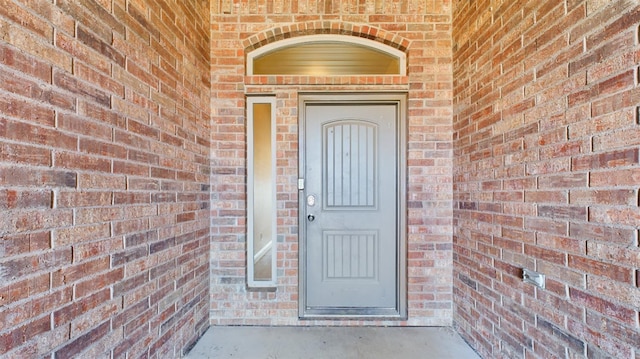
(351,214)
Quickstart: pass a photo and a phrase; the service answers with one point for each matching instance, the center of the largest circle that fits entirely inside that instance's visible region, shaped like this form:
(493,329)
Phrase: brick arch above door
(328,28)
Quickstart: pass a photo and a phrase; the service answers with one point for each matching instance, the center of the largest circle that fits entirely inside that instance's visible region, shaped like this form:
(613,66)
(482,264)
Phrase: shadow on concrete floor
(331,342)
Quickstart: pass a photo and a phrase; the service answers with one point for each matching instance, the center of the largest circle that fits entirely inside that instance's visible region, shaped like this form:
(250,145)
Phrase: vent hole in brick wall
(533,277)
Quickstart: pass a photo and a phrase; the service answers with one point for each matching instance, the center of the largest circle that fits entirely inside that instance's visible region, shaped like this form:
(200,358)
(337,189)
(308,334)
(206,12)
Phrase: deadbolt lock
(311,200)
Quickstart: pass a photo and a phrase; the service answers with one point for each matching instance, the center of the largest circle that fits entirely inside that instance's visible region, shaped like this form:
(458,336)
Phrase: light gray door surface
(351,214)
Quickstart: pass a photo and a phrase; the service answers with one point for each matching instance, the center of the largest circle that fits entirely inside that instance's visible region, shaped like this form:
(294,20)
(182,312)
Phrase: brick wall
(104,177)
(546,177)
(105,170)
(422,29)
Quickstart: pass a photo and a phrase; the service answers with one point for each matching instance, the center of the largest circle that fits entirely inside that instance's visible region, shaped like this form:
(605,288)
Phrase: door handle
(311,218)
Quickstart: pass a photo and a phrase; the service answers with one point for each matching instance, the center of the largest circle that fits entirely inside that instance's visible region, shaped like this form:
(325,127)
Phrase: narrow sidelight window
(261,193)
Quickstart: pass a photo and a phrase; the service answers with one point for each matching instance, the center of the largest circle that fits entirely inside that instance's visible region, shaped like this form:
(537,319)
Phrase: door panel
(349,162)
(351,207)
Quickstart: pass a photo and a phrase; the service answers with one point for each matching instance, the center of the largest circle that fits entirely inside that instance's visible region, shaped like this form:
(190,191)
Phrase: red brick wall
(104,177)
(422,29)
(546,177)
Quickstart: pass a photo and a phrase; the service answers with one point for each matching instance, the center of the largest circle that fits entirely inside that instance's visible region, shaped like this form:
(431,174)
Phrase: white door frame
(400,100)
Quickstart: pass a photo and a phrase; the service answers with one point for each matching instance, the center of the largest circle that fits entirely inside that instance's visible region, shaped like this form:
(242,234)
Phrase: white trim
(376,45)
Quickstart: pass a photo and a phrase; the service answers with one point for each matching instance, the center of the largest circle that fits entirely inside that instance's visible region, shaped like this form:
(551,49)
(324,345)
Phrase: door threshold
(352,314)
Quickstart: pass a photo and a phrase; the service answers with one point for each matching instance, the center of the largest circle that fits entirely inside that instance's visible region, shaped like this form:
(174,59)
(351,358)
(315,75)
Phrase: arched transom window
(326,55)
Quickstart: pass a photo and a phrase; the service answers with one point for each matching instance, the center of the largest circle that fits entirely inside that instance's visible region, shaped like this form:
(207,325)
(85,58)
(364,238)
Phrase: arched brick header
(325,27)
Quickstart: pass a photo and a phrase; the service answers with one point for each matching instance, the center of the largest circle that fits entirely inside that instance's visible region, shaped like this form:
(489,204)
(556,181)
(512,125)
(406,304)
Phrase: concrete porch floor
(331,342)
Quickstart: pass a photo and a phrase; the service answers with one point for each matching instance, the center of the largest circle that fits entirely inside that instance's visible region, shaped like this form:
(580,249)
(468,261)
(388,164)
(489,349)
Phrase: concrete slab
(331,342)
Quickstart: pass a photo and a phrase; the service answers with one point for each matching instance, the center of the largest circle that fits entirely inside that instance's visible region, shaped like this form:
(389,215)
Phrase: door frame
(399,99)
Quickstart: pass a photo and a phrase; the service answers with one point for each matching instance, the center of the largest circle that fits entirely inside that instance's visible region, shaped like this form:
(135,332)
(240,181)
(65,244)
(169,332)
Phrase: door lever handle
(311,218)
